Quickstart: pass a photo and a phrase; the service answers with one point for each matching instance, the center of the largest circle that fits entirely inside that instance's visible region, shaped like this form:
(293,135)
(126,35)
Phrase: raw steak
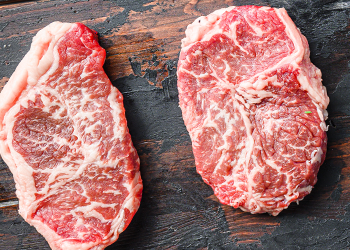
(64,136)
(254,106)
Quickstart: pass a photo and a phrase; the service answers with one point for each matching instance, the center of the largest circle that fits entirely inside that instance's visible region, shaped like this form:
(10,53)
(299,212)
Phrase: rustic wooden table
(178,211)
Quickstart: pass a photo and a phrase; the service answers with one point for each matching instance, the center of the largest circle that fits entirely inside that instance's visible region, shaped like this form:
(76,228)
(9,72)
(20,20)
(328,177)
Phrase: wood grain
(179,211)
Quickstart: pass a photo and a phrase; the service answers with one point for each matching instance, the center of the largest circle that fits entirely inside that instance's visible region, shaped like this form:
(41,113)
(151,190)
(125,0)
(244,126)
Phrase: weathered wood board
(178,211)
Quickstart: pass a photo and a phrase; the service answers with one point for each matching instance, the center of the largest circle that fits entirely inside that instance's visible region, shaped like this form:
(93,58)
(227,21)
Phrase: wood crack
(9,203)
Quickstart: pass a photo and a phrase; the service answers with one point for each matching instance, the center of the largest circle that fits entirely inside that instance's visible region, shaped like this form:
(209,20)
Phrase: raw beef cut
(64,136)
(254,106)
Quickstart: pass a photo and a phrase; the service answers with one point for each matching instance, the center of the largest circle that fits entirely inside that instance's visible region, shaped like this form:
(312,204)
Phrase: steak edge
(64,136)
(254,106)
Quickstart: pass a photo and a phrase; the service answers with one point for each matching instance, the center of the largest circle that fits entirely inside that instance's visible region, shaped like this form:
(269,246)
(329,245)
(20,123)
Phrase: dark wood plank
(11,1)
(178,211)
(7,186)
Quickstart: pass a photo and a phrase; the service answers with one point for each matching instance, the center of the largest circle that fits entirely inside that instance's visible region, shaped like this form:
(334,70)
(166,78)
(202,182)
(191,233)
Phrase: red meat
(64,136)
(254,106)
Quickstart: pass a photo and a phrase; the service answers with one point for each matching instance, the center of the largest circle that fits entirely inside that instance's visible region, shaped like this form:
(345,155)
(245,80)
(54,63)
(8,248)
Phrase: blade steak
(64,136)
(254,106)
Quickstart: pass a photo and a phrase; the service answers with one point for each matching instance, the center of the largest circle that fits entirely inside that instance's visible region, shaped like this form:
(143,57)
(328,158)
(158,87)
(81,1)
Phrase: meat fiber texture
(254,106)
(64,136)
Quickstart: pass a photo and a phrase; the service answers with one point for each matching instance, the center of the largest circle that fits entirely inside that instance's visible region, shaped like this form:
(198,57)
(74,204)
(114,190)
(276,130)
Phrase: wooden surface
(178,211)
